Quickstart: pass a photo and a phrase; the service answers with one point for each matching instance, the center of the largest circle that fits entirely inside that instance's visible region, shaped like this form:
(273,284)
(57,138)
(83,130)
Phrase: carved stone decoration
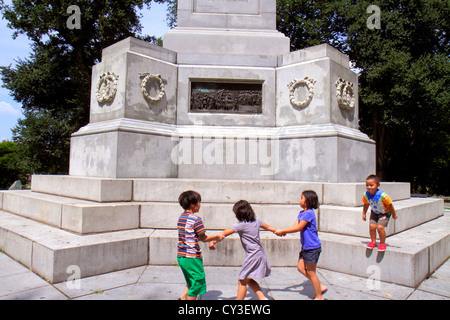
(223,97)
(156,79)
(107,87)
(294,85)
(345,94)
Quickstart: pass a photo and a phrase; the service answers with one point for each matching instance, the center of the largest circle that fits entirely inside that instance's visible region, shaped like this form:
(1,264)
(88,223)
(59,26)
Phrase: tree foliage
(55,81)
(10,164)
(404,77)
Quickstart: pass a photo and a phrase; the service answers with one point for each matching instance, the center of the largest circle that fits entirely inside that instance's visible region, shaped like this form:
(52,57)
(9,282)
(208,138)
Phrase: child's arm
(217,237)
(267,227)
(392,210)
(224,233)
(298,226)
(365,207)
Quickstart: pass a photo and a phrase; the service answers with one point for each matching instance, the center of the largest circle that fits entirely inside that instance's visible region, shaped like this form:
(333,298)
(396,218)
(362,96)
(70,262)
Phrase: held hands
(211,245)
(280,233)
(220,237)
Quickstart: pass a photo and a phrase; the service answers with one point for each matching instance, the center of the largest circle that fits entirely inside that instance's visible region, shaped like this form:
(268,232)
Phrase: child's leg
(256,289)
(381,234)
(184,295)
(373,232)
(242,289)
(311,271)
(381,227)
(303,269)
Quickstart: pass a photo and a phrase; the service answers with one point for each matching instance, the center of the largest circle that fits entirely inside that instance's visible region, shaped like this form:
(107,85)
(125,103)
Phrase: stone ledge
(49,251)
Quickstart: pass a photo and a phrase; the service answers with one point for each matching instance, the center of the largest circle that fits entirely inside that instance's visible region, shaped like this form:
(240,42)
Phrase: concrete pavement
(167,282)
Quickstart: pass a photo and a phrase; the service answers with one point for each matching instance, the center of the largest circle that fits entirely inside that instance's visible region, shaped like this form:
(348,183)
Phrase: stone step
(348,220)
(410,257)
(85,217)
(215,191)
(54,253)
(70,214)
(164,215)
(57,255)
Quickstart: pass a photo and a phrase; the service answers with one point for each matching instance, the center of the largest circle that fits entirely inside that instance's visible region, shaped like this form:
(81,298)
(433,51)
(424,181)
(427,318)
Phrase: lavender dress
(255,265)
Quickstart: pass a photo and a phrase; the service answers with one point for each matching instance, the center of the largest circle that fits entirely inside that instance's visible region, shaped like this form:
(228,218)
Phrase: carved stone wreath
(294,84)
(156,78)
(345,94)
(107,87)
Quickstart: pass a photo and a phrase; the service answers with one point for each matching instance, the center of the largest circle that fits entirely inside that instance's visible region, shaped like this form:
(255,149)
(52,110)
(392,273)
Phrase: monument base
(102,225)
(142,149)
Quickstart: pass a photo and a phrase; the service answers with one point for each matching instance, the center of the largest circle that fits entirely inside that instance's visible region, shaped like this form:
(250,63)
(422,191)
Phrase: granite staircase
(103,225)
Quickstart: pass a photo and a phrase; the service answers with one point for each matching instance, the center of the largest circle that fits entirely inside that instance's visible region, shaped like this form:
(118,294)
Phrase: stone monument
(224,98)
(223,108)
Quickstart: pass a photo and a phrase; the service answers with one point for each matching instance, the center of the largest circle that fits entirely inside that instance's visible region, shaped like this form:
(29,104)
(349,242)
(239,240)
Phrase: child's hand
(280,233)
(220,237)
(394,215)
(364,217)
(211,245)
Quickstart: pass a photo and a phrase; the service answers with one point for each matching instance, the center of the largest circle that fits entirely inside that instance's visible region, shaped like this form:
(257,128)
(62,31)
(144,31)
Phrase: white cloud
(6,108)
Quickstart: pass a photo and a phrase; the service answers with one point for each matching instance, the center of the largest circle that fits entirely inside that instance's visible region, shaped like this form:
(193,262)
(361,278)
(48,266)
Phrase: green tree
(10,169)
(404,86)
(55,81)
(404,77)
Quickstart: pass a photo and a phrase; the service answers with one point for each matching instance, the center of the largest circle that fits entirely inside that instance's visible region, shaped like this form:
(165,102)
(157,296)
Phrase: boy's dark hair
(244,211)
(188,198)
(311,199)
(375,177)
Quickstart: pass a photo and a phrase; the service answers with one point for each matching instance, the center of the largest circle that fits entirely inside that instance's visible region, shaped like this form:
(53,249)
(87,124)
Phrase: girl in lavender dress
(255,264)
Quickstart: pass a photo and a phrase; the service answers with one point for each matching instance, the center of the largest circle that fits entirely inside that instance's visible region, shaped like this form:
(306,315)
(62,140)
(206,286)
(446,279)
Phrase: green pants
(194,274)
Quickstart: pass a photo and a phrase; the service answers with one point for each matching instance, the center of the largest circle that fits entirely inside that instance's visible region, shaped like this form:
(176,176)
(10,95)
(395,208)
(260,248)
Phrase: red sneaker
(371,245)
(382,247)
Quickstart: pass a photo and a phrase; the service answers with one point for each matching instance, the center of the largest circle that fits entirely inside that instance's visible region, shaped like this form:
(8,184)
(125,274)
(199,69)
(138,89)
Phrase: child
(189,255)
(311,245)
(381,210)
(255,264)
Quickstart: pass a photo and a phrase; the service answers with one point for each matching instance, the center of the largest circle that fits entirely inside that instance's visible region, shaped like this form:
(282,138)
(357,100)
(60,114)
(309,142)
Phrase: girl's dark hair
(243,211)
(187,198)
(311,199)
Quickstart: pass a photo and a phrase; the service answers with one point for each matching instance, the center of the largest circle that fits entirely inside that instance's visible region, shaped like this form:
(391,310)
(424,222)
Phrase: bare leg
(381,234)
(185,295)
(304,270)
(256,289)
(242,290)
(311,271)
(373,232)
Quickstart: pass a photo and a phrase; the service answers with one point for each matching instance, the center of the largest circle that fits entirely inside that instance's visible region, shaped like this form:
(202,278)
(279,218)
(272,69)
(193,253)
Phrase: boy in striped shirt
(381,209)
(189,254)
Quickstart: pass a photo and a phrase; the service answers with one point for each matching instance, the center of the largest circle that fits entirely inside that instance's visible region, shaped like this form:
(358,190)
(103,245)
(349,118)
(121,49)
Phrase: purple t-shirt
(308,236)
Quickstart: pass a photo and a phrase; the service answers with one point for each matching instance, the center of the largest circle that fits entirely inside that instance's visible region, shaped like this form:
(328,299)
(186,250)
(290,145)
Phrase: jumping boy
(189,254)
(381,209)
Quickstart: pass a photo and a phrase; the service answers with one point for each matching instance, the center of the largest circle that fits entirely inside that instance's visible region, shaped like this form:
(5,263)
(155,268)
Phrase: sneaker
(371,245)
(382,247)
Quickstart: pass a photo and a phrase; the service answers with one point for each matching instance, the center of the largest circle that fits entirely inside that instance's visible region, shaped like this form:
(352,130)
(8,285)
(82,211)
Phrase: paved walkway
(167,282)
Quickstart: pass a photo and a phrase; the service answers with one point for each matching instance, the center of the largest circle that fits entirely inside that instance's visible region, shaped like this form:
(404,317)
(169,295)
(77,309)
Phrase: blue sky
(153,22)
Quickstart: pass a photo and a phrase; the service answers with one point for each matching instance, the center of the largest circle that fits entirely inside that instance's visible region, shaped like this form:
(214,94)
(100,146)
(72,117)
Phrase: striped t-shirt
(190,227)
(379,202)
